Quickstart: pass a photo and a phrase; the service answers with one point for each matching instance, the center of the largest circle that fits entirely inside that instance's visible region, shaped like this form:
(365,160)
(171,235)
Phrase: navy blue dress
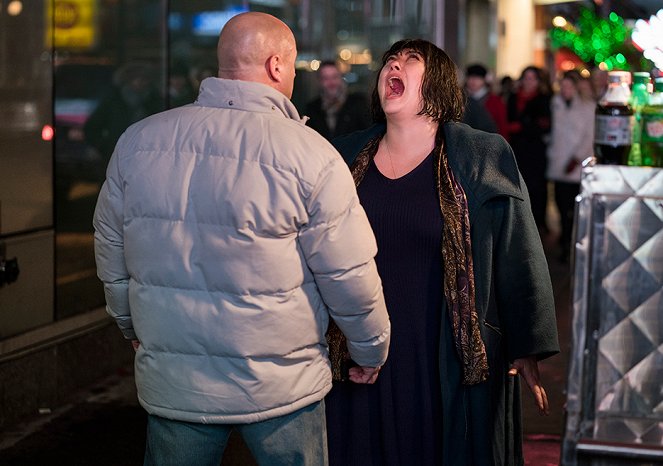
(398,420)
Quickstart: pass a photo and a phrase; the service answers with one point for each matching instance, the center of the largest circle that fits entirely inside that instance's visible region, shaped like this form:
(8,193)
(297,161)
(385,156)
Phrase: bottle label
(652,128)
(613,130)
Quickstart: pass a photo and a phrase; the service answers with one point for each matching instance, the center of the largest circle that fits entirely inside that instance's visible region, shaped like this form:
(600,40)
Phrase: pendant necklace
(391,162)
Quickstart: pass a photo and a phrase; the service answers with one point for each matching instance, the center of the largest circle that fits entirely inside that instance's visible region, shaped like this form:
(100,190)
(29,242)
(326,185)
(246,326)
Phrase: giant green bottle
(639,98)
(652,128)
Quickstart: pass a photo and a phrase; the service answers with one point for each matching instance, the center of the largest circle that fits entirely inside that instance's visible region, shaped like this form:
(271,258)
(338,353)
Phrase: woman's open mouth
(396,85)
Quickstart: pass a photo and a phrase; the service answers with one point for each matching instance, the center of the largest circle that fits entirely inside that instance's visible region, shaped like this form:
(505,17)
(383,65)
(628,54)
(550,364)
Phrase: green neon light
(598,40)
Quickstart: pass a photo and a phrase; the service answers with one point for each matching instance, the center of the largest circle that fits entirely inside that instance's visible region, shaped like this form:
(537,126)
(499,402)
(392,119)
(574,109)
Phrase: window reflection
(108,74)
(26,191)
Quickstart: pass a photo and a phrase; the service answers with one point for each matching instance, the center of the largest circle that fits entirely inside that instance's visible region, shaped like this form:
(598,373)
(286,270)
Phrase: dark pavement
(104,425)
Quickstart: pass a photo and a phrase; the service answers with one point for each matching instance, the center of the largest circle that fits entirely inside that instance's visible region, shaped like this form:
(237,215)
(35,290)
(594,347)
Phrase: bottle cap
(641,77)
(658,85)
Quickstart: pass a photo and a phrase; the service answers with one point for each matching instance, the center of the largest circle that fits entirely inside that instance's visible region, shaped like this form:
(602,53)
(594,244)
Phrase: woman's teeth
(396,85)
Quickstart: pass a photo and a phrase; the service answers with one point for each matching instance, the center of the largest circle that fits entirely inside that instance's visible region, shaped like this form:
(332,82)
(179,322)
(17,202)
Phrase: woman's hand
(528,368)
(363,374)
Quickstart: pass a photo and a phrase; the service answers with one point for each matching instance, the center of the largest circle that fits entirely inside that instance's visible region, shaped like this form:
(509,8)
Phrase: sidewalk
(105,426)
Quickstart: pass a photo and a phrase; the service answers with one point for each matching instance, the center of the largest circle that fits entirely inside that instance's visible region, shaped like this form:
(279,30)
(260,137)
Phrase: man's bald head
(258,47)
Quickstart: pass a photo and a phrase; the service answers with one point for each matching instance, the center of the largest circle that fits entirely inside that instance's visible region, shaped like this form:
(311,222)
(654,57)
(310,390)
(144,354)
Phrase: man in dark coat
(132,98)
(336,112)
(484,109)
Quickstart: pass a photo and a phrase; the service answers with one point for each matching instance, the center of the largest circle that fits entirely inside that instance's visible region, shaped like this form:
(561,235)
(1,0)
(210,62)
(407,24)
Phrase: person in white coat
(571,142)
(226,235)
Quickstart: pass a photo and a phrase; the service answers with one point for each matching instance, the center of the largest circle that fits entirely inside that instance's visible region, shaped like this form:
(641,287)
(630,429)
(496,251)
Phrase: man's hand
(363,374)
(528,368)
(135,344)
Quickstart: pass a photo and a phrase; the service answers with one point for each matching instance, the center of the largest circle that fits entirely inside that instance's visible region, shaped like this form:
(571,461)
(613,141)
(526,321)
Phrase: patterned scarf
(457,259)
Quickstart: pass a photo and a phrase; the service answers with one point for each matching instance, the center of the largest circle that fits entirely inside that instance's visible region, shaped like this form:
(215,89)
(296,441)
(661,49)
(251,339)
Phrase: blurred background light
(14,8)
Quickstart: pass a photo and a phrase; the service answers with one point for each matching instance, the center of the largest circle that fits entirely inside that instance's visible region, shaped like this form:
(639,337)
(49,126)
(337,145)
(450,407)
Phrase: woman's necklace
(391,162)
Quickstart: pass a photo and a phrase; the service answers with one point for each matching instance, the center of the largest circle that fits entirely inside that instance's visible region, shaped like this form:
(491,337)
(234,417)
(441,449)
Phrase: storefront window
(109,72)
(26,214)
(25,100)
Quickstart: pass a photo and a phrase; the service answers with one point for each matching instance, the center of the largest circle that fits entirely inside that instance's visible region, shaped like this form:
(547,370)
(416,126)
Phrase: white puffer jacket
(226,233)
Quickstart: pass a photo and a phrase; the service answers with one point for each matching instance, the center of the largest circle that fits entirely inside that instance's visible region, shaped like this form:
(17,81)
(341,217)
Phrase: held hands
(363,374)
(528,368)
(571,165)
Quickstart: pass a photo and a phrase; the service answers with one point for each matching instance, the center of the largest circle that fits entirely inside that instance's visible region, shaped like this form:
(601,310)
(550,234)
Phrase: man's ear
(274,64)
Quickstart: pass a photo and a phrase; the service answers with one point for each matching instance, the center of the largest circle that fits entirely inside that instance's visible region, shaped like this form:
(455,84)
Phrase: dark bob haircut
(442,98)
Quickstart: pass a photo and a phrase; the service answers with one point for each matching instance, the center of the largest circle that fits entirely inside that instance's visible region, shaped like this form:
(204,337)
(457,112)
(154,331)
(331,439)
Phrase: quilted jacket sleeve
(109,248)
(340,247)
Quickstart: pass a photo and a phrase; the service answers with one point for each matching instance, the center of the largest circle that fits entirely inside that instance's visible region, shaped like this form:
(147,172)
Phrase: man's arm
(339,247)
(109,249)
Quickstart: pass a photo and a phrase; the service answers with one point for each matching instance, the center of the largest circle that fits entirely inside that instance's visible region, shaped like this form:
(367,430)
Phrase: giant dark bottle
(614,121)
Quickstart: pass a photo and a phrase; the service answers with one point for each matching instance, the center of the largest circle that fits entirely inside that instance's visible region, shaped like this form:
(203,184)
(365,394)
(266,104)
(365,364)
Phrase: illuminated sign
(71,24)
(648,37)
(210,23)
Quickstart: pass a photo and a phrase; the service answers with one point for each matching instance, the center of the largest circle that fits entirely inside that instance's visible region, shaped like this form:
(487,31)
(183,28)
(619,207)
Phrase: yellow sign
(71,24)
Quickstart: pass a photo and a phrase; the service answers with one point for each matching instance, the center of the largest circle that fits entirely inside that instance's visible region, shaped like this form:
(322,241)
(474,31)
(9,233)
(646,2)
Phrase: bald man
(226,235)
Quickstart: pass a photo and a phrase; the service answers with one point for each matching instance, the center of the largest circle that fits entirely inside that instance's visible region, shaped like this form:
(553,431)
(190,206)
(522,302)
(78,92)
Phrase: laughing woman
(464,276)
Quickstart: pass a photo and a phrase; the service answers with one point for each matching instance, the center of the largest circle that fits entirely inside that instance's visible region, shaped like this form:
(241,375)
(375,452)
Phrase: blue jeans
(298,438)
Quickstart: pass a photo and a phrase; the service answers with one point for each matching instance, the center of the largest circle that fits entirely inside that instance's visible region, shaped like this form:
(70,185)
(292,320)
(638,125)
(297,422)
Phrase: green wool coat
(482,423)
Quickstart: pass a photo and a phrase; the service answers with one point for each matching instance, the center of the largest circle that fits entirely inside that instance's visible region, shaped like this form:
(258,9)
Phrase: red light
(47,133)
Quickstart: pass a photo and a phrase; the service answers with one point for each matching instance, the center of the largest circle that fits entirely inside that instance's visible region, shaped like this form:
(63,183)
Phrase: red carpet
(541,450)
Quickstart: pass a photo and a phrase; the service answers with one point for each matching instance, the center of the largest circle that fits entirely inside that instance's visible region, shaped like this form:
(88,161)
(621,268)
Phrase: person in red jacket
(528,112)
(484,109)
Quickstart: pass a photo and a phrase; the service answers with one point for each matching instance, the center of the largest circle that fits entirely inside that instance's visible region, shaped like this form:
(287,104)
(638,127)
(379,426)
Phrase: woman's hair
(544,86)
(442,97)
(572,75)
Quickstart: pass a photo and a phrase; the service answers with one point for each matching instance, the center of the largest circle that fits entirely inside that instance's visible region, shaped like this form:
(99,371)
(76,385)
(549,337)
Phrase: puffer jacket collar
(245,95)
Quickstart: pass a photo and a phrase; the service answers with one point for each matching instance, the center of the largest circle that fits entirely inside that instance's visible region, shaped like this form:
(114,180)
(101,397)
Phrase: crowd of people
(377,307)
(550,127)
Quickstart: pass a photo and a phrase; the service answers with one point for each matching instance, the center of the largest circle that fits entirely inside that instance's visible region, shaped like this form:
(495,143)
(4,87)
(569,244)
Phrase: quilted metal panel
(615,386)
